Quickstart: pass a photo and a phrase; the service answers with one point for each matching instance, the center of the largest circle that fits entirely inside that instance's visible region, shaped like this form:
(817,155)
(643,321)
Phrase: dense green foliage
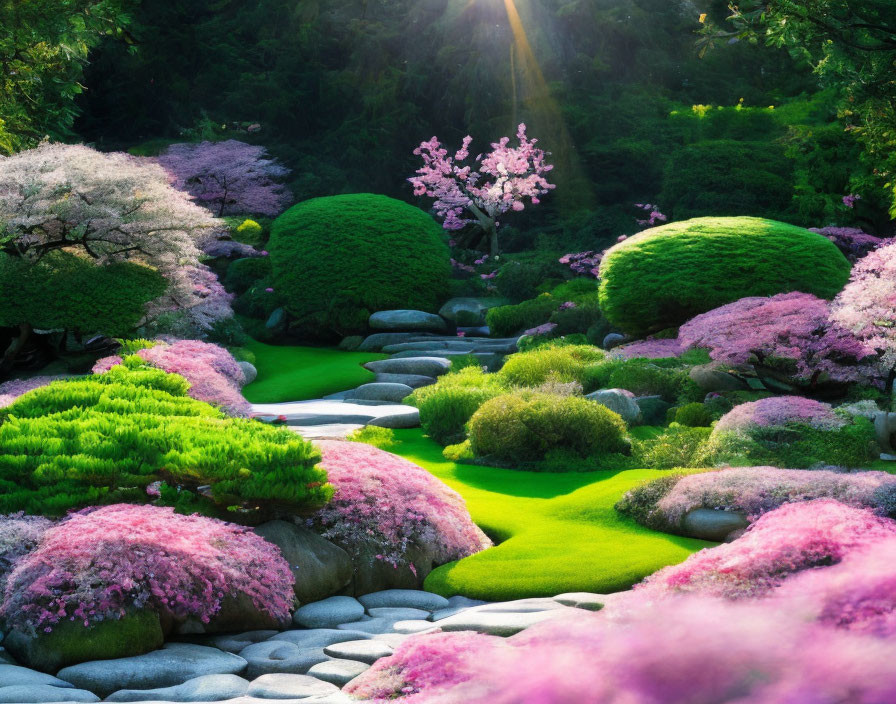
(243,273)
(337,260)
(526,426)
(552,362)
(646,378)
(667,275)
(106,438)
(505,321)
(63,291)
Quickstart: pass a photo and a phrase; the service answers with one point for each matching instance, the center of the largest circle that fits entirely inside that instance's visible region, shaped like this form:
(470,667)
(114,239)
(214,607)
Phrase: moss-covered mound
(110,437)
(667,275)
(338,259)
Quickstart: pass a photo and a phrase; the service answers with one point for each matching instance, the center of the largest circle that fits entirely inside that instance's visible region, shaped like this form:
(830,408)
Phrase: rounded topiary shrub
(665,276)
(524,427)
(338,259)
(552,362)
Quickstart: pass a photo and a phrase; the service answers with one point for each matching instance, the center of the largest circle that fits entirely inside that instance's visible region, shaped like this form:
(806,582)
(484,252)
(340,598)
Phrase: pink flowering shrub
(852,241)
(778,411)
(689,650)
(792,331)
(587,263)
(12,389)
(19,535)
(650,349)
(789,539)
(654,216)
(101,563)
(395,504)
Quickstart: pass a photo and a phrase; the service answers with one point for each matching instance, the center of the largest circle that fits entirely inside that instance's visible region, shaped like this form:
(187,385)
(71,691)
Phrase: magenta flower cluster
(851,199)
(779,411)
(654,215)
(395,505)
(500,181)
(100,564)
(586,263)
(19,535)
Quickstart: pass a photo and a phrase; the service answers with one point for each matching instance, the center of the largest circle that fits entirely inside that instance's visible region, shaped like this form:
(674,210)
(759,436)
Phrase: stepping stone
(372,625)
(496,623)
(393,640)
(207,688)
(415,381)
(478,331)
(413,626)
(328,613)
(456,344)
(289,686)
(410,320)
(367,651)
(12,675)
(321,412)
(424,366)
(234,643)
(174,664)
(379,391)
(332,430)
(520,606)
(398,613)
(318,637)
(375,342)
(28,693)
(582,600)
(465,601)
(338,672)
(280,656)
(404,599)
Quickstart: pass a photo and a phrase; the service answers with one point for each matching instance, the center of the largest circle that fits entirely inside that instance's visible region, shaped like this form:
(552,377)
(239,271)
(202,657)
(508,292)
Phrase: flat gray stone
(367,651)
(323,412)
(318,637)
(174,664)
(415,381)
(582,600)
(458,343)
(404,599)
(233,642)
(407,320)
(619,401)
(376,342)
(289,686)
(380,391)
(328,613)
(372,625)
(712,524)
(338,672)
(391,639)
(398,613)
(206,688)
(413,626)
(12,675)
(280,656)
(495,623)
(423,366)
(28,693)
(403,419)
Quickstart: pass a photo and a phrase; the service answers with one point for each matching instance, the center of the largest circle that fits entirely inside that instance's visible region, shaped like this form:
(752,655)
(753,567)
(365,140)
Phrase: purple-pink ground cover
(12,389)
(100,563)
(19,535)
(777,411)
(394,503)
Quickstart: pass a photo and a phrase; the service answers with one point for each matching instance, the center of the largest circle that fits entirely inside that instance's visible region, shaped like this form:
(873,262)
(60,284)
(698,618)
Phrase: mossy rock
(70,642)
(337,260)
(666,275)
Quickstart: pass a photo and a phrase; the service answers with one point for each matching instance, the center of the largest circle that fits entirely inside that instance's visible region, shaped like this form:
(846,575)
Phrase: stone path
(332,642)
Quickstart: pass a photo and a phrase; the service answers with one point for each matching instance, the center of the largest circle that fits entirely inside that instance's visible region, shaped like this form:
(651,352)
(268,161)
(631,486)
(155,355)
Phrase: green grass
(301,373)
(557,532)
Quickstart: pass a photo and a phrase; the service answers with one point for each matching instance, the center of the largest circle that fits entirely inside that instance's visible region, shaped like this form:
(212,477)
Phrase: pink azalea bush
(19,535)
(12,389)
(779,411)
(395,504)
(688,650)
(791,327)
(789,539)
(102,563)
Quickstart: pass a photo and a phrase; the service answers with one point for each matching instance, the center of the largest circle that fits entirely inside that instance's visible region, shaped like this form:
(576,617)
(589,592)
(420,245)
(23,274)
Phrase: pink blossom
(850,200)
(269,290)
(777,411)
(583,262)
(654,216)
(650,349)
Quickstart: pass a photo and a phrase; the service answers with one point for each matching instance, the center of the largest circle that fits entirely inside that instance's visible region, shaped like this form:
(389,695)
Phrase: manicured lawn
(559,532)
(300,373)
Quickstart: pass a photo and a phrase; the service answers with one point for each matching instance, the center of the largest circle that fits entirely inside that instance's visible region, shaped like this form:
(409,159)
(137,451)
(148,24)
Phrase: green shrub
(104,439)
(644,378)
(551,362)
(258,301)
(505,321)
(667,275)
(228,332)
(338,259)
(676,446)
(727,177)
(462,452)
(693,415)
(383,438)
(129,347)
(525,426)
(249,232)
(447,406)
(520,280)
(577,320)
(243,273)
(718,404)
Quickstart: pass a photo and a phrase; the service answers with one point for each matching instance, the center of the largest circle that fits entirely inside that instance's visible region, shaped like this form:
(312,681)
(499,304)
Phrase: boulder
(378,340)
(305,638)
(619,401)
(283,685)
(249,371)
(415,381)
(174,664)
(423,366)
(237,613)
(406,599)
(712,524)
(378,391)
(367,651)
(469,312)
(36,693)
(405,320)
(280,656)
(278,321)
(613,339)
(206,688)
(14,675)
(320,567)
(373,575)
(338,672)
(713,377)
(328,613)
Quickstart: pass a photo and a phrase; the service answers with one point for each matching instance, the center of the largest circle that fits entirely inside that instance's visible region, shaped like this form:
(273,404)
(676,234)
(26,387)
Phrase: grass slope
(301,373)
(558,532)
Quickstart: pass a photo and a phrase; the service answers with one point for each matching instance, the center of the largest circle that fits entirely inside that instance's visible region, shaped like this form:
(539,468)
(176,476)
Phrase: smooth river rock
(207,688)
(407,320)
(404,599)
(328,613)
(421,366)
(712,524)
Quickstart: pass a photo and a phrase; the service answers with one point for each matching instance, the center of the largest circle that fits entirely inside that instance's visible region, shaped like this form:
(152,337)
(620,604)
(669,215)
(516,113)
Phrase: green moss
(667,275)
(694,415)
(383,438)
(552,362)
(338,259)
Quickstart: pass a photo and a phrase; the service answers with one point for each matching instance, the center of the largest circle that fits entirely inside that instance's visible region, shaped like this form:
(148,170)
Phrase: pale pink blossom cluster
(852,241)
(779,411)
(395,505)
(199,298)
(654,215)
(758,490)
(789,326)
(101,564)
(650,348)
(500,181)
(851,199)
(587,263)
(12,389)
(19,535)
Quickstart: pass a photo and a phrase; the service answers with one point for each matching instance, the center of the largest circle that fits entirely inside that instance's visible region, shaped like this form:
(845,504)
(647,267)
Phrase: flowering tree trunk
(491,228)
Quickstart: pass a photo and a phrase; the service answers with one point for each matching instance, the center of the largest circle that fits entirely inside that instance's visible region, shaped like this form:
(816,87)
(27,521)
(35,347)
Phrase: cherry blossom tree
(101,208)
(492,185)
(229,178)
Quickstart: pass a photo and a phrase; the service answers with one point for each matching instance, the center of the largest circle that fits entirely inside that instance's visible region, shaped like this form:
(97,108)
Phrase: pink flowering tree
(484,190)
(229,178)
